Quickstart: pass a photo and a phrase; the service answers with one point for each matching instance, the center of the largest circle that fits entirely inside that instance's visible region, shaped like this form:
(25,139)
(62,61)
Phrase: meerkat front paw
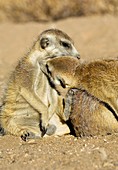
(69,102)
(50,130)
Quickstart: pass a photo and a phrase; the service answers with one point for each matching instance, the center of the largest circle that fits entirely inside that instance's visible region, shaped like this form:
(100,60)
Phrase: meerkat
(30,101)
(98,79)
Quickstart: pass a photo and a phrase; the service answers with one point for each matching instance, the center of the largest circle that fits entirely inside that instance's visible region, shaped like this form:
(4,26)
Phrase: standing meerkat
(30,100)
(92,107)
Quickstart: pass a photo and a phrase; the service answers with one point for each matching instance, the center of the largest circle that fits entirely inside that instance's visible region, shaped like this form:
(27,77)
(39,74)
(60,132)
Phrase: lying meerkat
(30,100)
(98,79)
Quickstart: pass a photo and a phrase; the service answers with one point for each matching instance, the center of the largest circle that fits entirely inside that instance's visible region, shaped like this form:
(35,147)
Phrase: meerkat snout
(57,43)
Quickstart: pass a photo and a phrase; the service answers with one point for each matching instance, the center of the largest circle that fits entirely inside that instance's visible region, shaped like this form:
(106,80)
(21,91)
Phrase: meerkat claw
(2,132)
(25,136)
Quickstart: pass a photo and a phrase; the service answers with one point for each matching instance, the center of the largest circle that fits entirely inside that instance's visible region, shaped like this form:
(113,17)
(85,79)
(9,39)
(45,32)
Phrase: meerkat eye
(62,81)
(65,44)
(44,42)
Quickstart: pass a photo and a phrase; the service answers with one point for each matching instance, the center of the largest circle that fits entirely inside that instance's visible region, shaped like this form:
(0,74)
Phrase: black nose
(78,56)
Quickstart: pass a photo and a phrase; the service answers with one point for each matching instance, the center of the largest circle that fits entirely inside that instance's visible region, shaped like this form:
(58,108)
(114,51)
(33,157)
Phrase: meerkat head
(53,42)
(60,72)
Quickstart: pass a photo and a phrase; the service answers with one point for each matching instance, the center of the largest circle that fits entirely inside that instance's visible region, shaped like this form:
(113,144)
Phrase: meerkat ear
(44,42)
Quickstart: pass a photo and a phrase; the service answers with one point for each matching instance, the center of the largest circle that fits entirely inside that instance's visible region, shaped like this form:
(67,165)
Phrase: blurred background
(47,10)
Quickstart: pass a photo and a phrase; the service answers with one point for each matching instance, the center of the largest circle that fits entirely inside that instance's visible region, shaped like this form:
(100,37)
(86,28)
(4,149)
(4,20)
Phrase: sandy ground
(95,37)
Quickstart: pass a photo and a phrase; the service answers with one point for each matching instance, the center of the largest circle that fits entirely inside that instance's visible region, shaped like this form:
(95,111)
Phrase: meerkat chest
(52,96)
(43,89)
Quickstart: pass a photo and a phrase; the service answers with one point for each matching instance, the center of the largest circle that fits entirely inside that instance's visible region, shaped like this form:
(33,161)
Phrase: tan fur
(30,101)
(98,78)
(88,115)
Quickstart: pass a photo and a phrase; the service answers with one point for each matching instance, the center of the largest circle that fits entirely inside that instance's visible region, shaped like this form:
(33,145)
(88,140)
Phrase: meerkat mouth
(50,57)
(54,56)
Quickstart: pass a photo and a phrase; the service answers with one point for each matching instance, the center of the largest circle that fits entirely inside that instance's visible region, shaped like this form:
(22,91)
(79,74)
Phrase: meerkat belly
(47,95)
(19,110)
(40,84)
(41,88)
(52,101)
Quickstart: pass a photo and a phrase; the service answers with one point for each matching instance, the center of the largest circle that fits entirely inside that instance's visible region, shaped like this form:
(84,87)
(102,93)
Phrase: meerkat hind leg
(23,122)
(29,126)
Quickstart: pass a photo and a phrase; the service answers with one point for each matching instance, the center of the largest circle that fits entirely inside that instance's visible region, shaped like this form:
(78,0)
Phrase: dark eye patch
(62,82)
(65,44)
